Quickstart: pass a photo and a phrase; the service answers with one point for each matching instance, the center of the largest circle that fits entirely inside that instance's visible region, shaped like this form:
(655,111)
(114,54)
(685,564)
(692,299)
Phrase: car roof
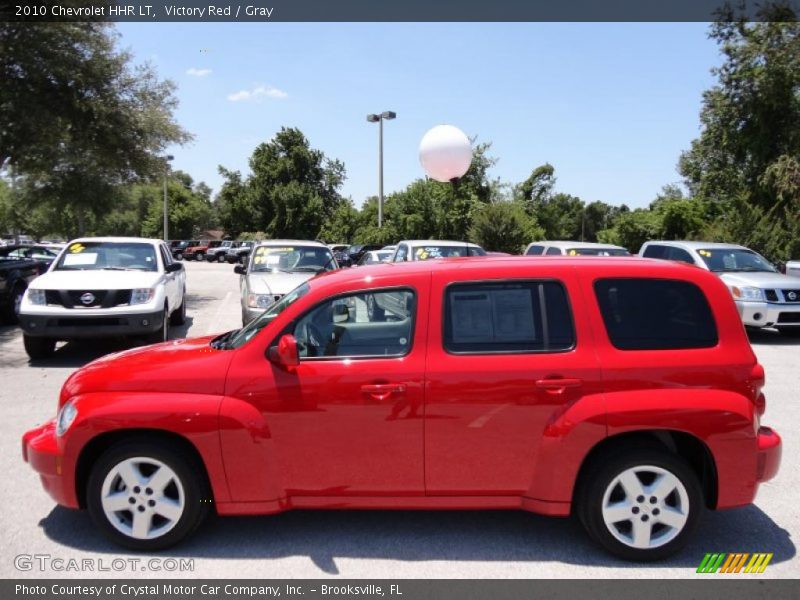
(437,243)
(117,239)
(694,244)
(292,243)
(568,244)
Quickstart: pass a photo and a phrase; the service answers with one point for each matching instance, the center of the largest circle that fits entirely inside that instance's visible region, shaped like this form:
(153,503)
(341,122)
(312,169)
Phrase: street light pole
(386,115)
(167,158)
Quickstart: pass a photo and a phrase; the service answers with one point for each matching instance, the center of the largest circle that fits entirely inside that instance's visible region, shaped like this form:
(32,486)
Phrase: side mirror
(341,314)
(174,267)
(285,353)
(240,269)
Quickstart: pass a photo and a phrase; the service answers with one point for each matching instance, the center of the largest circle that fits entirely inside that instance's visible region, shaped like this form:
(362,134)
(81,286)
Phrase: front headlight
(748,294)
(142,295)
(37,297)
(259,300)
(65,418)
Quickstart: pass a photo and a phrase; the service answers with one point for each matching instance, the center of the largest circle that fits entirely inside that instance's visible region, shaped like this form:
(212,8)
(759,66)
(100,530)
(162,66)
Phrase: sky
(610,106)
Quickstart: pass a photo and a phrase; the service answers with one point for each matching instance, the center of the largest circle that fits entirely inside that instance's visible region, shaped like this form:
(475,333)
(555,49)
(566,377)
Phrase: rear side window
(535,251)
(655,251)
(507,317)
(655,314)
(553,251)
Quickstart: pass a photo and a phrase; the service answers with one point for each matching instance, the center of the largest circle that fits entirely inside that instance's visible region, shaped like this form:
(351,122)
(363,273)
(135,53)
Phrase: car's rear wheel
(221,258)
(200,256)
(39,347)
(792,332)
(179,256)
(642,504)
(10,312)
(147,496)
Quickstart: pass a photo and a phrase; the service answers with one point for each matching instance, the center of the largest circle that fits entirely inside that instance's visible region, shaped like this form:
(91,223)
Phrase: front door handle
(382,391)
(558,384)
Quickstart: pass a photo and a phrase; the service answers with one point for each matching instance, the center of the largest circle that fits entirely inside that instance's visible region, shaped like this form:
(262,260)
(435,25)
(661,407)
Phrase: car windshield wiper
(118,269)
(307,268)
(221,341)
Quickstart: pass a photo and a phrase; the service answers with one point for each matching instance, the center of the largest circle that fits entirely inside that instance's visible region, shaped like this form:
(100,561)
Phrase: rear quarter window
(655,314)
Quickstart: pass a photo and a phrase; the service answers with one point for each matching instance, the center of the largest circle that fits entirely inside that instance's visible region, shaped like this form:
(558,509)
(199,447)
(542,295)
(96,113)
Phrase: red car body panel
(430,429)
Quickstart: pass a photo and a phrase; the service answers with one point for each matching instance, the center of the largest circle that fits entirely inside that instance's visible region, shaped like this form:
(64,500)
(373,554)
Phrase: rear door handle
(558,384)
(381,391)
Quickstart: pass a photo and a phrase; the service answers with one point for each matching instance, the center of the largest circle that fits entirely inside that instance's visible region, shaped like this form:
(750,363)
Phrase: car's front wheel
(179,256)
(10,312)
(38,348)
(162,333)
(640,504)
(147,495)
(221,258)
(200,257)
(178,316)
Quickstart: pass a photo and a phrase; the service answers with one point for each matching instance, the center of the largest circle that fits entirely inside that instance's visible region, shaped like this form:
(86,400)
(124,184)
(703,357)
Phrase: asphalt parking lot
(366,544)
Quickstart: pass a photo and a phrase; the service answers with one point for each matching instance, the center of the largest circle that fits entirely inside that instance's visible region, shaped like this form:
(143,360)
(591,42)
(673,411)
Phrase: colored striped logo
(736,562)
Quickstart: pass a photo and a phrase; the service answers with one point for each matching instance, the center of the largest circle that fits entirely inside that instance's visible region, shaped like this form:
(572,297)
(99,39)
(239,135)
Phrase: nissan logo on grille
(792,296)
(87,298)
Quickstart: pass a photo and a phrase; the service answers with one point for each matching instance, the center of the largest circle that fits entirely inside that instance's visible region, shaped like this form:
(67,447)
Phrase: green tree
(504,227)
(77,117)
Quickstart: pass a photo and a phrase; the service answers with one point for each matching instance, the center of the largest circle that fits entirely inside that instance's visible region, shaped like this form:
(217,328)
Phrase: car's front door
(348,420)
(506,356)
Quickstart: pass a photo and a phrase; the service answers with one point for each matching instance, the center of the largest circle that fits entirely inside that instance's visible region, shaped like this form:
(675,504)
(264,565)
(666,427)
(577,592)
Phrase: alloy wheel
(645,507)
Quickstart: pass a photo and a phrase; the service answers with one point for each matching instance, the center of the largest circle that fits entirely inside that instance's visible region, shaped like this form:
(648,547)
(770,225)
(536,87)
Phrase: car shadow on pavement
(771,337)
(417,536)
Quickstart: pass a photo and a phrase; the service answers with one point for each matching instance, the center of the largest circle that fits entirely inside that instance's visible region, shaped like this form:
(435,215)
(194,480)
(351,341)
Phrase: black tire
(221,258)
(792,332)
(600,475)
(10,312)
(39,348)
(178,316)
(162,334)
(374,312)
(191,475)
(200,256)
(179,256)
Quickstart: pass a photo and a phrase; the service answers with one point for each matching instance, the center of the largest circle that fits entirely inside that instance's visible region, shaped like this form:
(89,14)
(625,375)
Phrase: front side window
(111,256)
(655,314)
(535,251)
(507,317)
(731,260)
(292,259)
(553,251)
(598,252)
(680,255)
(432,251)
(402,251)
(367,324)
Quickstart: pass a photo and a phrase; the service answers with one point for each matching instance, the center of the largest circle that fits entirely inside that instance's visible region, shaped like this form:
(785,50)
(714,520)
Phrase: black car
(353,254)
(15,275)
(43,255)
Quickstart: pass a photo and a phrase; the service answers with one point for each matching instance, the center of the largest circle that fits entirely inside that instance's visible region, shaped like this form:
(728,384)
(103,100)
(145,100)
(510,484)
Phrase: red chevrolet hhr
(623,391)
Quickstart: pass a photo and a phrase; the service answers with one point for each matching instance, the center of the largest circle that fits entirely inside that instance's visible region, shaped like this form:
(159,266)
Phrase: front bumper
(67,326)
(40,450)
(768,314)
(768,458)
(248,314)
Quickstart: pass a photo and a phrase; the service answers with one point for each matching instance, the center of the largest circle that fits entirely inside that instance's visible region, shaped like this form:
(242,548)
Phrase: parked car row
(232,251)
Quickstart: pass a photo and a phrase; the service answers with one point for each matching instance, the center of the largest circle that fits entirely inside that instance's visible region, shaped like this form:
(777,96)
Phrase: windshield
(725,260)
(598,252)
(434,251)
(111,256)
(236,338)
(292,259)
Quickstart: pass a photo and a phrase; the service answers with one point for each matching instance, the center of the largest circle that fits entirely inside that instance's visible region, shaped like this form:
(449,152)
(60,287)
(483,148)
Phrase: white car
(410,250)
(104,287)
(374,257)
(764,296)
(275,268)
(574,249)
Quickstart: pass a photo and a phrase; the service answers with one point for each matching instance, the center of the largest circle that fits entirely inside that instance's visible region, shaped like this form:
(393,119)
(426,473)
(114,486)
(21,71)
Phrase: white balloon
(445,153)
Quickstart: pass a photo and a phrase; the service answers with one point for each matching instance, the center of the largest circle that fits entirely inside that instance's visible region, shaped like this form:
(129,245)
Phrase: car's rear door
(507,354)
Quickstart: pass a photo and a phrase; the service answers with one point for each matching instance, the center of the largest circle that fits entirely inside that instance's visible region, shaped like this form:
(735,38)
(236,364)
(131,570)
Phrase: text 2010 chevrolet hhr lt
(621,390)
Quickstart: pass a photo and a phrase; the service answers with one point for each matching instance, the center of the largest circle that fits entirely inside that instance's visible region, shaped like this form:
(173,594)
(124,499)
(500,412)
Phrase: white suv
(104,287)
(764,296)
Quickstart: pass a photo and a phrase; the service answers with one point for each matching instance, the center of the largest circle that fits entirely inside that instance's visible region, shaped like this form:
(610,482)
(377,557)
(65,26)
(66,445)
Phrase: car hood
(761,280)
(180,366)
(96,280)
(275,283)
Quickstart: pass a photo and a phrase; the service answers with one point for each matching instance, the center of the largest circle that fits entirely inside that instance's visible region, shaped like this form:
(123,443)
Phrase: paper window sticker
(86,258)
